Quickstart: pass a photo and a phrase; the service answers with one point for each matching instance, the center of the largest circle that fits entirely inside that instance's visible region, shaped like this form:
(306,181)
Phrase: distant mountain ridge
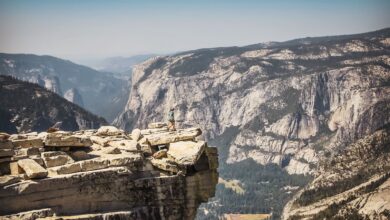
(101,93)
(29,107)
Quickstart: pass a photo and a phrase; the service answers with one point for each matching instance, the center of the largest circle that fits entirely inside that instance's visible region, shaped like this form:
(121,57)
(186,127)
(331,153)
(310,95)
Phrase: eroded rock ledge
(106,174)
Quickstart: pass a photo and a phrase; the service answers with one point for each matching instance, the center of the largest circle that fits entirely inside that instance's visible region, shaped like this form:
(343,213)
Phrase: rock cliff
(101,93)
(354,184)
(289,101)
(28,107)
(106,174)
(285,103)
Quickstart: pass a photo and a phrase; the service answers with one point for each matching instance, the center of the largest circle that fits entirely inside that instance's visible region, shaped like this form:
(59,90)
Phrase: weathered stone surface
(4,136)
(109,131)
(157,125)
(80,155)
(64,169)
(212,155)
(32,168)
(28,151)
(170,137)
(26,143)
(186,152)
(133,161)
(166,165)
(99,140)
(31,215)
(6,144)
(56,158)
(97,188)
(15,168)
(37,159)
(154,130)
(62,139)
(160,154)
(127,145)
(111,150)
(9,179)
(6,152)
(136,134)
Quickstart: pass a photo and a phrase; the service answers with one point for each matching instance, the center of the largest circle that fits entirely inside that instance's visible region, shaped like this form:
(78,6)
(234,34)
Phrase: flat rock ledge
(106,174)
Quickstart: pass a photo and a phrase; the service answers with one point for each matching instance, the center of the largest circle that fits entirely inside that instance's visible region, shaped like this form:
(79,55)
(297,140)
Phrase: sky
(92,29)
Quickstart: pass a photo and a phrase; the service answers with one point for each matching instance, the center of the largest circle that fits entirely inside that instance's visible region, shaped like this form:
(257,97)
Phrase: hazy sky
(80,29)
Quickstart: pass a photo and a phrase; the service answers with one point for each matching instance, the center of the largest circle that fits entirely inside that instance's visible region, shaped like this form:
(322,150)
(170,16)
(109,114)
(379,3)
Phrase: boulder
(186,152)
(109,131)
(64,169)
(160,154)
(62,139)
(136,134)
(6,152)
(26,143)
(154,131)
(170,137)
(32,168)
(127,145)
(93,164)
(56,158)
(157,125)
(130,160)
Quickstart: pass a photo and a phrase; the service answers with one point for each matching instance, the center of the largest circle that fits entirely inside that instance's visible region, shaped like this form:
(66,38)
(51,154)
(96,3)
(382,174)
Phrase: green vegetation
(37,108)
(262,184)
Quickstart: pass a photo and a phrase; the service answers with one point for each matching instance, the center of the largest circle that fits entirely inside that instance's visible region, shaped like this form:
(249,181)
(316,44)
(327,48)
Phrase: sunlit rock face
(354,184)
(106,174)
(290,101)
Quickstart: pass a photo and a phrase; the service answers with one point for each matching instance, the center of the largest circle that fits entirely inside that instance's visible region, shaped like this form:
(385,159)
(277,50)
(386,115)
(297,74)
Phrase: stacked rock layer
(106,174)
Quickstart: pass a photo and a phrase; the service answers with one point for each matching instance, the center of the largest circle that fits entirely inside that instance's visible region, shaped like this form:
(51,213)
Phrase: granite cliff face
(27,107)
(290,101)
(101,93)
(354,184)
(288,104)
(73,95)
(106,174)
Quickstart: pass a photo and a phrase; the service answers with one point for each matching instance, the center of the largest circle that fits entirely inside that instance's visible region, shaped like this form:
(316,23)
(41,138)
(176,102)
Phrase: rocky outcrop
(354,184)
(28,107)
(114,179)
(73,95)
(101,93)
